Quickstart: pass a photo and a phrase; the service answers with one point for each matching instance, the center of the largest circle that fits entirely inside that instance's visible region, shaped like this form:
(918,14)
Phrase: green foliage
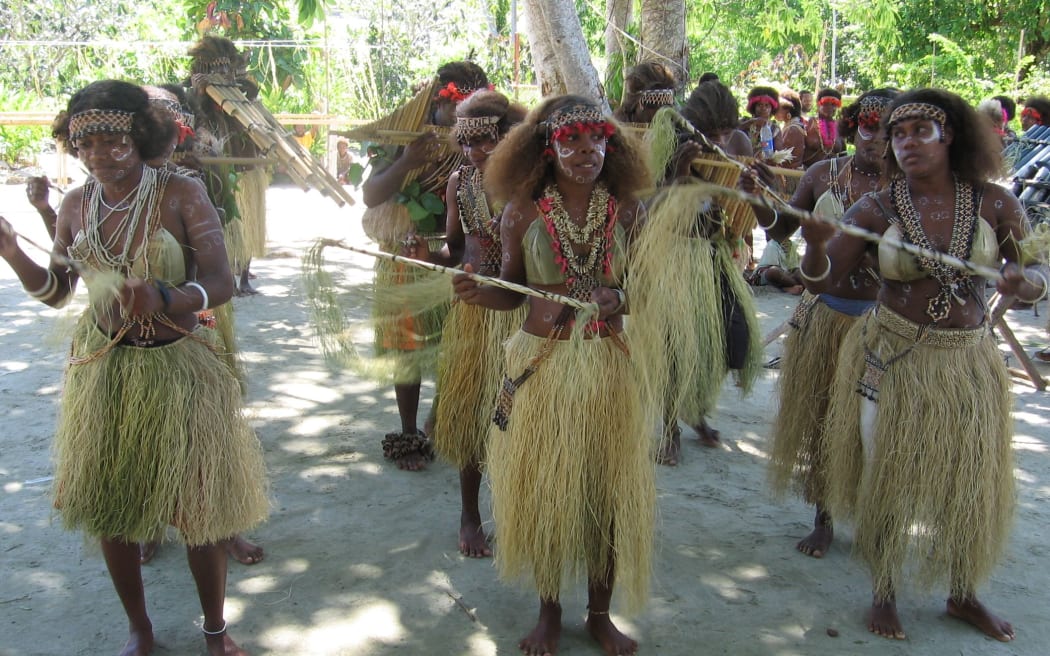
(423,207)
(19,144)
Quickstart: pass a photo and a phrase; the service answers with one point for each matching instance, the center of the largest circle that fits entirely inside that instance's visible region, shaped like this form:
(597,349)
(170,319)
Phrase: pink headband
(754,100)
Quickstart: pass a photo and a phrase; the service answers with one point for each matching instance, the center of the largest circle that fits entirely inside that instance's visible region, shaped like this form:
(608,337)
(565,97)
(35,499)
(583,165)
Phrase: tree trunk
(617,16)
(563,63)
(663,35)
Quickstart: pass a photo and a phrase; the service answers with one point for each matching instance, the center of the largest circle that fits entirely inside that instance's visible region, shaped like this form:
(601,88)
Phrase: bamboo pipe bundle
(271,138)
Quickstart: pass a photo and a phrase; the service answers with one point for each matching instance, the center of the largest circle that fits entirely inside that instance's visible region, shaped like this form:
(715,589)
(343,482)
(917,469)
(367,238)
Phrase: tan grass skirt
(154,436)
(469,375)
(250,196)
(807,371)
(937,478)
(573,476)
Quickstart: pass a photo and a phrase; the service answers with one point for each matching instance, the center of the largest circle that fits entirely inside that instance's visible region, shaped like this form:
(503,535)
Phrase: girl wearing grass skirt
(918,436)
(471,364)
(150,430)
(570,464)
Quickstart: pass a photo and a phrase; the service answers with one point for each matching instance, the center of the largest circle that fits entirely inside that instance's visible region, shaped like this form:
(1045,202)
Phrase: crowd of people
(894,408)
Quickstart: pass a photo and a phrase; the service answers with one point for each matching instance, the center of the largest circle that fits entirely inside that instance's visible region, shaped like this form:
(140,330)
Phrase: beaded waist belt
(927,334)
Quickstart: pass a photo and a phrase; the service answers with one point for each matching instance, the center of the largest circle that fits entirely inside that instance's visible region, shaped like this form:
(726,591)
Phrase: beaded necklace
(953,283)
(109,251)
(582,271)
(478,220)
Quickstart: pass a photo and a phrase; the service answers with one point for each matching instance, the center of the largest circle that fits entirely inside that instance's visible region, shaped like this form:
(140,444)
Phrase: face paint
(923,131)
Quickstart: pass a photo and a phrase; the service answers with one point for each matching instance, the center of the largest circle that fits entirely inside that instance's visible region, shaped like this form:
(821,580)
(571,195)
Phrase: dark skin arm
(383,185)
(37,194)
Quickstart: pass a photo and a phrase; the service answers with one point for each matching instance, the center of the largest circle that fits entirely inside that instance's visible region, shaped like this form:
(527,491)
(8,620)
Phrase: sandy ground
(361,558)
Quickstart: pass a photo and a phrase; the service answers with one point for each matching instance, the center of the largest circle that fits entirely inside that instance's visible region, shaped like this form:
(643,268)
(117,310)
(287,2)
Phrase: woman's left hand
(608,301)
(139,298)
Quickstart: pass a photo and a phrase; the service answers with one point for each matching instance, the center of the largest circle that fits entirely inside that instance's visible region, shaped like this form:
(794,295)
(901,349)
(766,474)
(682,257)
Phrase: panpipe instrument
(274,142)
(715,169)
(405,124)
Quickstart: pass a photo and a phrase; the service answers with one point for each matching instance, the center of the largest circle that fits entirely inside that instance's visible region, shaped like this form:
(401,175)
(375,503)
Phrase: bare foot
(816,543)
(223,645)
(883,620)
(243,551)
(411,462)
(707,436)
(670,448)
(473,542)
(611,639)
(975,613)
(543,639)
(245,289)
(147,550)
(139,643)
(795,290)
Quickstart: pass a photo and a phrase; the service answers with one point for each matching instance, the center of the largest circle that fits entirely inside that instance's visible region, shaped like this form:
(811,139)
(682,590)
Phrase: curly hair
(828,92)
(791,101)
(1040,104)
(975,152)
(848,116)
(151,130)
(755,92)
(643,77)
(519,168)
(1008,105)
(465,74)
(211,49)
(711,107)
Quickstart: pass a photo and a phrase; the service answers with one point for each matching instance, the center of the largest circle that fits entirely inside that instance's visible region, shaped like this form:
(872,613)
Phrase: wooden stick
(937,256)
(734,164)
(590,308)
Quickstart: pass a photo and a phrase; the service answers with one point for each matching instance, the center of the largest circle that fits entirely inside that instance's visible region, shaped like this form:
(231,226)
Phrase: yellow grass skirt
(154,436)
(811,352)
(939,477)
(572,477)
(408,317)
(469,375)
(250,196)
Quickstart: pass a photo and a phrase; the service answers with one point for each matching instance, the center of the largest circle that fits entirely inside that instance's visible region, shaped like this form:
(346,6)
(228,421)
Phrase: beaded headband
(99,121)
(172,107)
(870,109)
(457,94)
(918,111)
(657,97)
(575,118)
(469,127)
(1033,114)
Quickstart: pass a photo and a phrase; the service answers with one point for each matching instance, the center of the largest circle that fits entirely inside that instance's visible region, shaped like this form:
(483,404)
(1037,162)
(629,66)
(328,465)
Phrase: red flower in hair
(453,93)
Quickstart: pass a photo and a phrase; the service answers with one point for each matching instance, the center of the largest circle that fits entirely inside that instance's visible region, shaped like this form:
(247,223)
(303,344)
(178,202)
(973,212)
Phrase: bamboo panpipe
(272,139)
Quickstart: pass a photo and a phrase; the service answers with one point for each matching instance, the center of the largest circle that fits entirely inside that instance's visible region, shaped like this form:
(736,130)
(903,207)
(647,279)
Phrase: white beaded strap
(823,276)
(200,288)
(214,633)
(49,287)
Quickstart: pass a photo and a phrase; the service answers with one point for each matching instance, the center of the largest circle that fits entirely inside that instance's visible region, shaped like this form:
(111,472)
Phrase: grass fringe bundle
(408,309)
(469,375)
(251,204)
(154,436)
(804,390)
(573,476)
(676,317)
(939,484)
(732,285)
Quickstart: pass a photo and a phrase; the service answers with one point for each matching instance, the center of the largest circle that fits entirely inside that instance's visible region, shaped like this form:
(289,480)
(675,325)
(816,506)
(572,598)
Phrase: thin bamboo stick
(588,308)
(918,251)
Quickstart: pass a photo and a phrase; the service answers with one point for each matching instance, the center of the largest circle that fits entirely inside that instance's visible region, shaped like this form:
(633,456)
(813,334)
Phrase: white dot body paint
(548,317)
(999,204)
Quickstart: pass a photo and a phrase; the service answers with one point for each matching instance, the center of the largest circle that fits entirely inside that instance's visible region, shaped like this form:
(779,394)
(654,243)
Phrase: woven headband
(870,109)
(469,127)
(99,121)
(918,111)
(657,97)
(575,118)
(172,107)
